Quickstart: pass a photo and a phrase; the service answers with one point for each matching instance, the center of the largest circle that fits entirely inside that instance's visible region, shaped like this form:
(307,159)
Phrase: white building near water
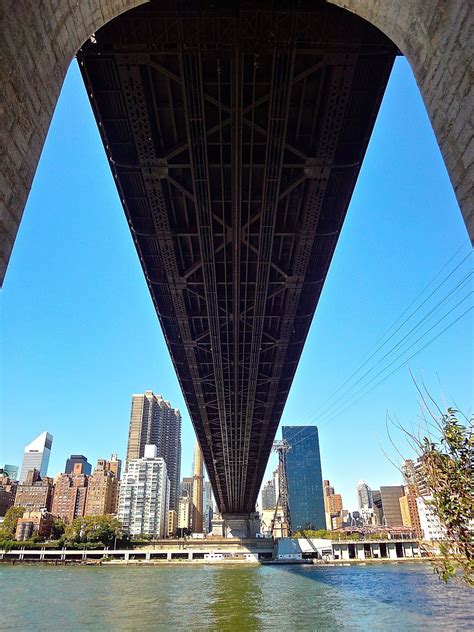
(145,495)
(429,521)
(36,456)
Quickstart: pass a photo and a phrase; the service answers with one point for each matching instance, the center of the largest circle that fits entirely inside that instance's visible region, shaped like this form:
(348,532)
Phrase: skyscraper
(197,489)
(153,421)
(364,495)
(208,508)
(268,495)
(305,483)
(390,496)
(77,458)
(414,475)
(144,495)
(36,456)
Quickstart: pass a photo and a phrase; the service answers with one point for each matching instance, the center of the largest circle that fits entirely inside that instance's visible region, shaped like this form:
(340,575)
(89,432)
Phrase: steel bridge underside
(235,138)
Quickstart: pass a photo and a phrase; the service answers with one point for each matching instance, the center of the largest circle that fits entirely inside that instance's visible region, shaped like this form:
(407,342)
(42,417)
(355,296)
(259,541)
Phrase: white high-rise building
(145,495)
(36,456)
(185,506)
(430,525)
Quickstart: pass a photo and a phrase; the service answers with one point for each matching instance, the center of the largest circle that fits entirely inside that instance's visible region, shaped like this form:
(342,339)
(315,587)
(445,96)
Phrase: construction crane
(282,448)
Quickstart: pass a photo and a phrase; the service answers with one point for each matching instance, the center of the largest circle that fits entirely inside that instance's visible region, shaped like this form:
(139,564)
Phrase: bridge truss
(235,137)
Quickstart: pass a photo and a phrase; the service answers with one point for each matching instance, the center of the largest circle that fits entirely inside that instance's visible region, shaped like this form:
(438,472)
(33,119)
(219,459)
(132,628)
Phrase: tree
(447,467)
(8,526)
(59,527)
(311,533)
(446,455)
(94,529)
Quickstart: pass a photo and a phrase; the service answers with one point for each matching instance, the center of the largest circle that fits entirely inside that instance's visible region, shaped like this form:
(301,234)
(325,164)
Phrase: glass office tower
(36,456)
(305,481)
(78,458)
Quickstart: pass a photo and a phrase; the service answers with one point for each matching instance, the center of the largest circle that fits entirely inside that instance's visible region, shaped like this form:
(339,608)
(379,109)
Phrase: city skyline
(386,263)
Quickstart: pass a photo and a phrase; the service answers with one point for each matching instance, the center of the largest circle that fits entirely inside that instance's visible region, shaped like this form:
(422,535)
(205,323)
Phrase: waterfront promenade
(229,550)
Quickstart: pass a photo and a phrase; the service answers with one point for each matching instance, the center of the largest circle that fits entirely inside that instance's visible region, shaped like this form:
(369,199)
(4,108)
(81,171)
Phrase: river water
(380,597)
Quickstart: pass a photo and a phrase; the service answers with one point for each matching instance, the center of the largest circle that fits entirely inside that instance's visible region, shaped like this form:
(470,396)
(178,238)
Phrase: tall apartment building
(35,493)
(430,526)
(36,456)
(414,476)
(409,510)
(390,495)
(198,478)
(102,494)
(334,503)
(77,458)
(70,494)
(305,482)
(144,495)
(154,422)
(185,506)
(268,495)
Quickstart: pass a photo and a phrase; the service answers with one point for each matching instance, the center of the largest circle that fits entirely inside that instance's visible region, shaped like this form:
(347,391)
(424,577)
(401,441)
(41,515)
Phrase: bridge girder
(235,139)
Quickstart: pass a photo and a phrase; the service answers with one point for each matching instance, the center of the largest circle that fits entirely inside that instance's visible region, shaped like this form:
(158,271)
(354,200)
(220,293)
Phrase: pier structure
(249,550)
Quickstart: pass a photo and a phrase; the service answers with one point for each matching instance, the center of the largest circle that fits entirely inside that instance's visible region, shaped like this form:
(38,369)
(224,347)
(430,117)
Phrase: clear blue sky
(80,334)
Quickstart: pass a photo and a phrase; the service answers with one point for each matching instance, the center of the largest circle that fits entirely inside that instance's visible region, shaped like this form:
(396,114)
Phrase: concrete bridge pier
(241,525)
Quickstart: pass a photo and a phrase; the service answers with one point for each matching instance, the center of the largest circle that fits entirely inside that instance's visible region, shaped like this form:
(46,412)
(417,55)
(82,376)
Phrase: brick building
(35,493)
(7,494)
(70,494)
(34,522)
(102,493)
